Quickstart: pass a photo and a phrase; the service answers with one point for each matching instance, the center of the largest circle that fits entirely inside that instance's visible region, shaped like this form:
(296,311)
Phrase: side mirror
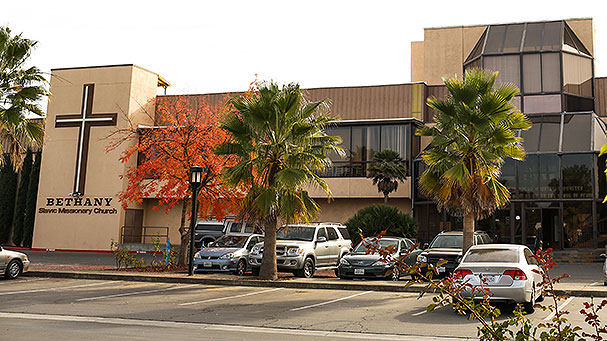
(602,254)
(322,239)
(425,246)
(351,249)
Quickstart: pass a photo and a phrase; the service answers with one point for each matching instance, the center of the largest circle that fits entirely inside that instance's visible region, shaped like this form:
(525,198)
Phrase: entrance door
(542,224)
(133,224)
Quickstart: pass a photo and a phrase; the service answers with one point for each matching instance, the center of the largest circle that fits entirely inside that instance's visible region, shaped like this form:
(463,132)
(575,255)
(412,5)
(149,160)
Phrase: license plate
(490,279)
(207,264)
(441,269)
(359,271)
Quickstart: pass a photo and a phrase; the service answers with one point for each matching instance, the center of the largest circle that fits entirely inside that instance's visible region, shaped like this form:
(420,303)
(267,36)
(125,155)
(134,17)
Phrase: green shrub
(373,219)
(8,190)
(30,204)
(22,199)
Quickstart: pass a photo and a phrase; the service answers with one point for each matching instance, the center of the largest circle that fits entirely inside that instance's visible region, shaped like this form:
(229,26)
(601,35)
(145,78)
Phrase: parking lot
(75,309)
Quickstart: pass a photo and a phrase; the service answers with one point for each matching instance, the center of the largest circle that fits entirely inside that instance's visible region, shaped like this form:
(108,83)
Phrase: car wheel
(529,309)
(395,275)
(241,268)
(13,270)
(308,269)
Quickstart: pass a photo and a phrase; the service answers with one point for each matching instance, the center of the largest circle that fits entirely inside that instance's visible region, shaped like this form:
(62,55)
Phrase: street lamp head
(196,175)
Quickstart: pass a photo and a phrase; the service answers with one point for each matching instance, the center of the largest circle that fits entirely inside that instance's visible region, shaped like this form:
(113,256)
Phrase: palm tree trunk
(385,199)
(268,262)
(468,231)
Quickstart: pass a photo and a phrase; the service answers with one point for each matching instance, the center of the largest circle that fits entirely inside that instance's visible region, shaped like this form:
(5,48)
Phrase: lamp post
(195,181)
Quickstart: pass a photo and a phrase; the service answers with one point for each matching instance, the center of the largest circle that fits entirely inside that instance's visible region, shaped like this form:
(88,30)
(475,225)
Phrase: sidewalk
(584,280)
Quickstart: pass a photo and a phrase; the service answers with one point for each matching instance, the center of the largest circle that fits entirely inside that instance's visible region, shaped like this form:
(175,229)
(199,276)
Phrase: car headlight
(227,256)
(344,261)
(294,251)
(255,249)
(422,259)
(380,263)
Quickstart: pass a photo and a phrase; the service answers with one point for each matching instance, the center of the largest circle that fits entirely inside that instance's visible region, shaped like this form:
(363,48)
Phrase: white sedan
(604,269)
(13,263)
(509,272)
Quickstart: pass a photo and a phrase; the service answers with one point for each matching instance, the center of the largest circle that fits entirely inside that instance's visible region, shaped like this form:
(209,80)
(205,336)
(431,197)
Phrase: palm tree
(386,170)
(475,131)
(279,141)
(21,89)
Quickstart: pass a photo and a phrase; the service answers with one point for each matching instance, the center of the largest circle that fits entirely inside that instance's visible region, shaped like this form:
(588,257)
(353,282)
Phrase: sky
(221,45)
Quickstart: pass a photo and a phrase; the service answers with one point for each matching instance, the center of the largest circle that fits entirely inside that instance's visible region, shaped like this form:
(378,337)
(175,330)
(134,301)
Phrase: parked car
(228,253)
(447,245)
(207,231)
(604,269)
(360,263)
(13,263)
(508,271)
(305,248)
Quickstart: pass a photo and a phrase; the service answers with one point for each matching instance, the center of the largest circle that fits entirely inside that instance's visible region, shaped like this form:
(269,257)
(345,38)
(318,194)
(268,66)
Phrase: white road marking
(425,311)
(134,293)
(230,297)
(331,301)
(54,289)
(317,334)
(31,280)
(594,283)
(561,306)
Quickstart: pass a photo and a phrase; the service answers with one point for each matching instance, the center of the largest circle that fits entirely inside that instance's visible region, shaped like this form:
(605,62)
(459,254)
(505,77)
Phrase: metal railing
(144,234)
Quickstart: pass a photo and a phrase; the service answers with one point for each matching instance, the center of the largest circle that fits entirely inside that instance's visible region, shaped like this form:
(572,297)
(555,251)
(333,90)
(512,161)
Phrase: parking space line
(230,297)
(549,317)
(425,311)
(594,283)
(134,293)
(331,301)
(54,289)
(31,280)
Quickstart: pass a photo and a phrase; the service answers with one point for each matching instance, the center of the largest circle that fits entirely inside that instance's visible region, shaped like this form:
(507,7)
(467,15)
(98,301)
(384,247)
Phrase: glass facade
(360,142)
(557,191)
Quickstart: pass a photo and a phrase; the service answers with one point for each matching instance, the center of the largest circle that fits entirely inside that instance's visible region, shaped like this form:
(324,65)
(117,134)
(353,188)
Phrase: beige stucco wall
(118,89)
(340,210)
(584,30)
(445,50)
(417,61)
(160,218)
(358,188)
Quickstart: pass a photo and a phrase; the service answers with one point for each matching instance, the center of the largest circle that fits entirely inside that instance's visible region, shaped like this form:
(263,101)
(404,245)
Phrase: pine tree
(30,206)
(8,190)
(26,169)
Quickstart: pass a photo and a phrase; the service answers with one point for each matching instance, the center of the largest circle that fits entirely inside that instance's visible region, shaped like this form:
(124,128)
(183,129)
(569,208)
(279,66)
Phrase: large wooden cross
(84,121)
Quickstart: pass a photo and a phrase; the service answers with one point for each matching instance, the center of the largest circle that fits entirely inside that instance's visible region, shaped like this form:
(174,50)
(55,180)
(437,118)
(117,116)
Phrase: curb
(385,287)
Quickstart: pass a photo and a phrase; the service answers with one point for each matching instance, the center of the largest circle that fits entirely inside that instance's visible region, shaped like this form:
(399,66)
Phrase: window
(551,130)
(549,187)
(529,257)
(577,224)
(321,233)
(577,74)
(332,234)
(552,36)
(533,37)
(235,227)
(512,43)
(344,232)
(576,132)
(531,136)
(492,256)
(542,104)
(508,177)
(577,175)
(532,78)
(551,72)
(395,138)
(528,177)
(495,39)
(508,67)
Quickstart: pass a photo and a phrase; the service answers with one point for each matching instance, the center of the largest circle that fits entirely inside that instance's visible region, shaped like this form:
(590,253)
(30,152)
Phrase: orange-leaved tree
(185,134)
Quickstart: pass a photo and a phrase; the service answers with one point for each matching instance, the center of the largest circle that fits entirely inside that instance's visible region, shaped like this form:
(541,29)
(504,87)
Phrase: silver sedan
(509,272)
(13,263)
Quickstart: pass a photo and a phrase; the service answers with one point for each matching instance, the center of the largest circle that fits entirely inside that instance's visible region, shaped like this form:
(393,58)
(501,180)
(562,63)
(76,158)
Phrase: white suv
(305,248)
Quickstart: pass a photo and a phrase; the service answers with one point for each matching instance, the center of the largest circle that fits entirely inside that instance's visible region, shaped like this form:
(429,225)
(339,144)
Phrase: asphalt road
(43,308)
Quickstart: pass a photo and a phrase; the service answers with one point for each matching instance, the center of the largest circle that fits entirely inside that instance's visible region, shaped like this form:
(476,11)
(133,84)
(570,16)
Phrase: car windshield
(295,233)
(229,241)
(454,241)
(492,256)
(366,244)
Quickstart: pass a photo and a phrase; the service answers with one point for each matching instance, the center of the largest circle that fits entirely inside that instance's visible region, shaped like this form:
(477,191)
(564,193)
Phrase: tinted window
(551,130)
(321,233)
(528,177)
(344,232)
(576,132)
(549,176)
(296,233)
(332,234)
(447,241)
(249,228)
(492,256)
(210,227)
(229,241)
(495,39)
(235,227)
(577,176)
(366,244)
